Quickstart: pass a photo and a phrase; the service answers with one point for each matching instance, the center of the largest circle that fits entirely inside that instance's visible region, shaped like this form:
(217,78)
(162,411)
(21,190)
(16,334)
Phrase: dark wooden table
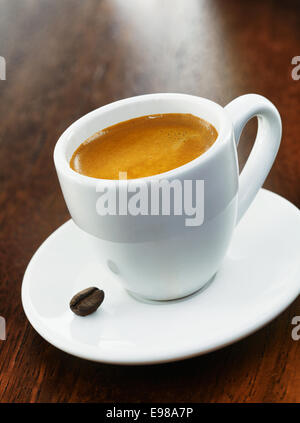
(67,57)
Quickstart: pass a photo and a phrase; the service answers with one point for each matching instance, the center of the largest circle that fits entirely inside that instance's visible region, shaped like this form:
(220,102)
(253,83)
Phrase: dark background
(68,57)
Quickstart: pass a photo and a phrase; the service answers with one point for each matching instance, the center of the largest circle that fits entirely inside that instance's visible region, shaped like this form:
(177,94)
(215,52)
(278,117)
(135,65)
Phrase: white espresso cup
(160,257)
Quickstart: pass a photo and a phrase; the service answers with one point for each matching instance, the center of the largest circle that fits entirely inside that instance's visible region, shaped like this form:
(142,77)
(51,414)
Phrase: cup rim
(63,166)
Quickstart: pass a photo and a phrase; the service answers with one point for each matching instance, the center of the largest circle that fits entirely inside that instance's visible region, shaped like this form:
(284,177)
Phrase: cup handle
(265,148)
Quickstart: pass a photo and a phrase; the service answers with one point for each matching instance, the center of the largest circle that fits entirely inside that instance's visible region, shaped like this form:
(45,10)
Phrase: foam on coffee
(144,146)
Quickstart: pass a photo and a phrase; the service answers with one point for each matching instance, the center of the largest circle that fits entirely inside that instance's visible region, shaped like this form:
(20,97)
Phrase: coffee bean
(86,301)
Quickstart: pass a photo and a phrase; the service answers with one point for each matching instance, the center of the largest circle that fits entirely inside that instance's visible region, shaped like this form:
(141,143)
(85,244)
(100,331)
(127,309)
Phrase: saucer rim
(163,356)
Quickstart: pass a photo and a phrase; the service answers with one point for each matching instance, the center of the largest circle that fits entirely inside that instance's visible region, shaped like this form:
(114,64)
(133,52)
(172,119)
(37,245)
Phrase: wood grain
(67,57)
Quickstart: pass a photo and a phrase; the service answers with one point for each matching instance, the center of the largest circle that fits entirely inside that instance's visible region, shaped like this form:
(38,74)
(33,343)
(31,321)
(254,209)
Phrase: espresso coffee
(144,146)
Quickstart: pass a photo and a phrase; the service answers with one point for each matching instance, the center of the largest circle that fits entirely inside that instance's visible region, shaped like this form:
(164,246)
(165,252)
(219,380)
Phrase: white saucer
(259,278)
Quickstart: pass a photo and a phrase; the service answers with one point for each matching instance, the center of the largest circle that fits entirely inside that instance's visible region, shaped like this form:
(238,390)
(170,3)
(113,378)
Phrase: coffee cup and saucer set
(172,291)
